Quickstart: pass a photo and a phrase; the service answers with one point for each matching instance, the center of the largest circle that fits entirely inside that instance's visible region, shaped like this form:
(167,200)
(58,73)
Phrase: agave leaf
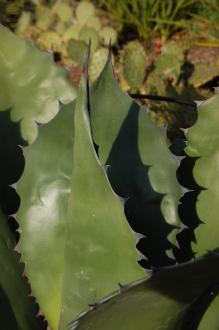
(140,165)
(12,163)
(203,144)
(32,83)
(169,300)
(18,310)
(74,236)
(210,319)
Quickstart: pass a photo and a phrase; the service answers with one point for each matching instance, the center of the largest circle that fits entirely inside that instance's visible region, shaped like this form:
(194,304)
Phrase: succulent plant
(133,64)
(44,17)
(97,62)
(203,73)
(168,63)
(113,171)
(77,50)
(49,40)
(84,11)
(71,32)
(88,34)
(60,27)
(63,10)
(94,22)
(22,28)
(108,35)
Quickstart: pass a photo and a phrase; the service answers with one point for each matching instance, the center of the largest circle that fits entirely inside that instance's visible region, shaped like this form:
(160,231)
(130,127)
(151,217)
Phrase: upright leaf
(139,164)
(203,144)
(32,84)
(74,236)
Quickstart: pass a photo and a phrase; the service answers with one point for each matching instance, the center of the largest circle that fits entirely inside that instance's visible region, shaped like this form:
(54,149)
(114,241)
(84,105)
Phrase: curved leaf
(140,165)
(210,319)
(203,143)
(18,310)
(74,236)
(32,83)
(169,300)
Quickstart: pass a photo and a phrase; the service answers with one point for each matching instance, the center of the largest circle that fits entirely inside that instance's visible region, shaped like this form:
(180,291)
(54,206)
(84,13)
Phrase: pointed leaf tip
(86,63)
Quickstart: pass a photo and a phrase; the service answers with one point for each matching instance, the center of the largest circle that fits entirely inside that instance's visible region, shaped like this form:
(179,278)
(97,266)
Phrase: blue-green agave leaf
(173,298)
(140,167)
(32,85)
(69,213)
(203,147)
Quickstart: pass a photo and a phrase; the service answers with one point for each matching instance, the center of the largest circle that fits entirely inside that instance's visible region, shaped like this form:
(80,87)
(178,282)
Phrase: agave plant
(99,178)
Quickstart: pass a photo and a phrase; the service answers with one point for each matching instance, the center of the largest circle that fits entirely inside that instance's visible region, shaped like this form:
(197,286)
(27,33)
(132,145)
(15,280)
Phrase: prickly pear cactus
(84,11)
(168,63)
(133,65)
(77,50)
(67,29)
(108,35)
(23,24)
(63,10)
(203,73)
(88,34)
(50,40)
(97,63)
(44,17)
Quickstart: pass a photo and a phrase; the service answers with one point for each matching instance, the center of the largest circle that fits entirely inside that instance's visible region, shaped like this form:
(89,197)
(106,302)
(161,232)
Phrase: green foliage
(203,73)
(18,311)
(33,85)
(210,319)
(147,16)
(88,34)
(126,138)
(77,50)
(95,168)
(168,63)
(203,145)
(133,64)
(52,27)
(108,35)
(71,223)
(97,63)
(84,11)
(164,301)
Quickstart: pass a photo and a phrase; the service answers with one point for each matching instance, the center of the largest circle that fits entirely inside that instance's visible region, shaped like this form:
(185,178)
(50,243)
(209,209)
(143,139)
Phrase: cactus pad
(23,25)
(97,63)
(203,73)
(87,35)
(49,40)
(63,11)
(94,22)
(84,11)
(71,32)
(107,35)
(134,63)
(77,50)
(44,17)
(168,63)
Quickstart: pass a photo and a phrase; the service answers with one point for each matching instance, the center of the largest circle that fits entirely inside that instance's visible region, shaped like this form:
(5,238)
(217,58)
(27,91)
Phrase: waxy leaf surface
(169,300)
(203,144)
(18,309)
(74,236)
(140,167)
(32,84)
